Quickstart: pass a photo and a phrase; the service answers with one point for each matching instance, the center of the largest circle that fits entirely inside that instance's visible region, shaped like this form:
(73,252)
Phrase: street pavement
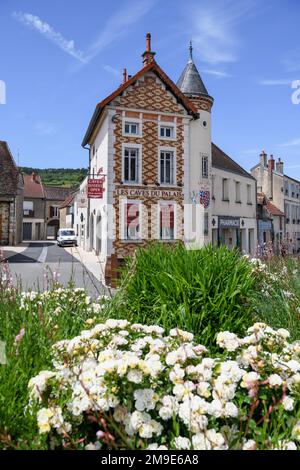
(35,264)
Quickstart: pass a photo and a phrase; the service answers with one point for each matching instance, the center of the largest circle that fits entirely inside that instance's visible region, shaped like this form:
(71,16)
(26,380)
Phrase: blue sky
(58,59)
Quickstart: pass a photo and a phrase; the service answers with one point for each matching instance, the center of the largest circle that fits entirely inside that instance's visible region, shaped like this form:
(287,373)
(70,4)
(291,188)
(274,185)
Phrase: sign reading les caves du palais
(148,192)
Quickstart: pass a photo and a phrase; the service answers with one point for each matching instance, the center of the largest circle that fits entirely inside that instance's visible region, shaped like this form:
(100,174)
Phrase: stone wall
(4,223)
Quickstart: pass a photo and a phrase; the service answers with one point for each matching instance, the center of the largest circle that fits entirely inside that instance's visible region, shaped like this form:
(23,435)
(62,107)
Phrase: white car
(66,237)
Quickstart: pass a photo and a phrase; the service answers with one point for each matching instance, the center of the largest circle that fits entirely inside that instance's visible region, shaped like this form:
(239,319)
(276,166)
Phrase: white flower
(135,376)
(250,379)
(275,380)
(145,399)
(249,445)
(288,403)
(182,443)
(228,341)
(296,432)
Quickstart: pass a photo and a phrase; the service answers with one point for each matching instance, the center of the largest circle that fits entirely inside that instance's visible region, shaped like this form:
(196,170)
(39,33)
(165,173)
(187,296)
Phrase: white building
(234,220)
(284,193)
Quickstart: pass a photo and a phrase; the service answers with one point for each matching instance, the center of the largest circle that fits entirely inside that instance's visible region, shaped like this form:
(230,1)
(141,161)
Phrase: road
(36,265)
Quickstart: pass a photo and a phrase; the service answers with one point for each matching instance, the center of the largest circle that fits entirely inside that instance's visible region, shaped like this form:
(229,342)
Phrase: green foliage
(62,177)
(202,291)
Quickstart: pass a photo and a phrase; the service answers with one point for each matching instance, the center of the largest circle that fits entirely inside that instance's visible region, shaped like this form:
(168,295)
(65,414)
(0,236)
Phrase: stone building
(11,198)
(150,145)
(284,193)
(54,197)
(33,208)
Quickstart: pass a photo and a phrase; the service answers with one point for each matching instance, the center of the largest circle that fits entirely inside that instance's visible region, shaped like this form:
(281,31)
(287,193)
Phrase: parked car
(66,237)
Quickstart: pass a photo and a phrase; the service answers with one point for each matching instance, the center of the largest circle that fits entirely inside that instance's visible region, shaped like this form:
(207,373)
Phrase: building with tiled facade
(11,198)
(150,142)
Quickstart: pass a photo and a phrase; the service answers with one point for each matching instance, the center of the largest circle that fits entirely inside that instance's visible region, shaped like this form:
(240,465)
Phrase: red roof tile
(274,210)
(33,187)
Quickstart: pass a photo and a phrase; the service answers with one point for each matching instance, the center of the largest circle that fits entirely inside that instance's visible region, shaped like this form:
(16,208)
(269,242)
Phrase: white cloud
(49,32)
(217,73)
(120,24)
(112,70)
(214,30)
(291,143)
(275,82)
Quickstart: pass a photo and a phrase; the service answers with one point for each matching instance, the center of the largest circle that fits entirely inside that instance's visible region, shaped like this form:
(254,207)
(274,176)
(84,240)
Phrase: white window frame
(238,192)
(225,189)
(172,125)
(167,203)
(137,121)
(172,150)
(124,204)
(55,211)
(140,160)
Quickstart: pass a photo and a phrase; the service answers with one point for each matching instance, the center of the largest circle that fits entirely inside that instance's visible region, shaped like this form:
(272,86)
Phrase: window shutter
(132,216)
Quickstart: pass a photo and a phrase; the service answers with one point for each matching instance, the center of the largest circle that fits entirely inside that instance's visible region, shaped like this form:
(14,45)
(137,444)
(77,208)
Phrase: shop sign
(229,222)
(95,188)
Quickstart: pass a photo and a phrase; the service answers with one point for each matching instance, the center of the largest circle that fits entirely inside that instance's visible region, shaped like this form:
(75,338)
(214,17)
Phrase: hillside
(63,177)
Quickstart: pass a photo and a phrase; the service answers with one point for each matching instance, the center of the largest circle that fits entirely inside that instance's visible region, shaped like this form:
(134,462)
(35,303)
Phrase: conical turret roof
(190,82)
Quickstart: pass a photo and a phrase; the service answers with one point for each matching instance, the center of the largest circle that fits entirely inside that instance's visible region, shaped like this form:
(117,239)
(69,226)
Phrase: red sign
(95,188)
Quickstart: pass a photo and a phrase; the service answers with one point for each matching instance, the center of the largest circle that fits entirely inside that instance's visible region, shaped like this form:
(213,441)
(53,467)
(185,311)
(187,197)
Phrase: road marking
(43,255)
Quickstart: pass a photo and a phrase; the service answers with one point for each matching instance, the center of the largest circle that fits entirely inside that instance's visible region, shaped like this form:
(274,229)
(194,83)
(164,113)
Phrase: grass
(202,291)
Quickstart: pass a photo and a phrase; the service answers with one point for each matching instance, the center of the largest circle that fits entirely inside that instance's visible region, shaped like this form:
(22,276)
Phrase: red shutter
(167,216)
(132,215)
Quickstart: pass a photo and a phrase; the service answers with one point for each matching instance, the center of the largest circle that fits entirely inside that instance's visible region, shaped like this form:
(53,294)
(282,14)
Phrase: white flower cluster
(57,299)
(163,391)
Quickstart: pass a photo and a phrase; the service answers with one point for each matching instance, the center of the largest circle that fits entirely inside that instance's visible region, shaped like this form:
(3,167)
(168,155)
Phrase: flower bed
(130,386)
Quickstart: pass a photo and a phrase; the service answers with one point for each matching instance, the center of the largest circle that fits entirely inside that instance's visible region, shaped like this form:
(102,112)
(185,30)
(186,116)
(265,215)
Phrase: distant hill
(63,177)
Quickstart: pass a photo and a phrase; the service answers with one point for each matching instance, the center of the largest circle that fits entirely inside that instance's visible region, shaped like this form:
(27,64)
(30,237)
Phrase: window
(166,222)
(206,224)
(54,212)
(132,221)
(249,194)
(131,128)
(204,167)
(28,208)
(237,191)
(225,189)
(167,167)
(166,132)
(131,165)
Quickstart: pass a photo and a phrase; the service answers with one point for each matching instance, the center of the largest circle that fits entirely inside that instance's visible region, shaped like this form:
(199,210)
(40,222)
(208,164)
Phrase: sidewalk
(90,261)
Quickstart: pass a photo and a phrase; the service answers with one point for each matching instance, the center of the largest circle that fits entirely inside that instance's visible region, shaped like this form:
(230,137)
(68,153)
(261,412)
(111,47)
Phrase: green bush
(202,291)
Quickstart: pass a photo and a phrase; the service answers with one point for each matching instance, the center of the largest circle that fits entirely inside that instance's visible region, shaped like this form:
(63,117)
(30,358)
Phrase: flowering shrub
(130,386)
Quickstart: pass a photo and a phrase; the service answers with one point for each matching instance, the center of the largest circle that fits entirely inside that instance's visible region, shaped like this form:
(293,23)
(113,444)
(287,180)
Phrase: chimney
(33,176)
(148,55)
(271,163)
(124,76)
(279,166)
(263,158)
